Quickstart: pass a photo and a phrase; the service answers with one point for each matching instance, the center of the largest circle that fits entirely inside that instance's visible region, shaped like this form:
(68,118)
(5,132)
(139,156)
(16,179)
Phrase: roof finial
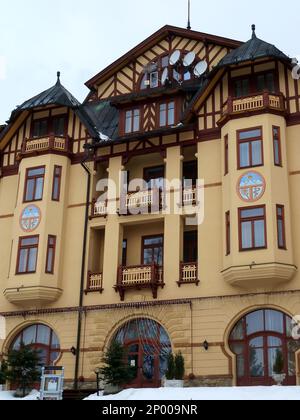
(58,77)
(189,27)
(253,31)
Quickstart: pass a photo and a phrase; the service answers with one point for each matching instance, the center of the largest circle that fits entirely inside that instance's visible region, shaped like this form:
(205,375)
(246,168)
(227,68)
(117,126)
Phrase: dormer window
(132,121)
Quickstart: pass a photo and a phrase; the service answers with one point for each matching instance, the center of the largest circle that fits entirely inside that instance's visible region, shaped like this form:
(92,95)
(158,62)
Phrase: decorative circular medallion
(251,186)
(30,218)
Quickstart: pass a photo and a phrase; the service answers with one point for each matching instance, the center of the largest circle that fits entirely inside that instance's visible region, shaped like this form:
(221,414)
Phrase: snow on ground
(204,394)
(9,396)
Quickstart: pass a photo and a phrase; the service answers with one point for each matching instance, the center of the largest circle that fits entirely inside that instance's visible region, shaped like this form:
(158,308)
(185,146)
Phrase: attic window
(152,77)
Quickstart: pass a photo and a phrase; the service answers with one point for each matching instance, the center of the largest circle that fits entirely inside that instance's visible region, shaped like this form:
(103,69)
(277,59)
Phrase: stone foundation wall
(209,382)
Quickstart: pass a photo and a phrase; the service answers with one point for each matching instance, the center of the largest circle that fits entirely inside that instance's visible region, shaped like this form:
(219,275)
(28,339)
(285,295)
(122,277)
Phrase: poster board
(52,383)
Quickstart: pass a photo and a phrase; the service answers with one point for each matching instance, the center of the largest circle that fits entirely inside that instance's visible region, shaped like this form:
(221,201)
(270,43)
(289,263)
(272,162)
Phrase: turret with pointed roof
(254,49)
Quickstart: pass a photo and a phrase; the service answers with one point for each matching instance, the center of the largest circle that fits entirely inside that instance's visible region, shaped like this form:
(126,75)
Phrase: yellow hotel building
(211,271)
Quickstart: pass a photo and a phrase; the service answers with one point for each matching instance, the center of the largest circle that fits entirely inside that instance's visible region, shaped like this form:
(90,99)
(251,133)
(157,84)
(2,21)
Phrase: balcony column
(173,236)
(113,230)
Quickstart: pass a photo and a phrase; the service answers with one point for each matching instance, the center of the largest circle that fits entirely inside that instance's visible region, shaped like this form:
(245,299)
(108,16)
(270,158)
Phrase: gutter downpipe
(84,247)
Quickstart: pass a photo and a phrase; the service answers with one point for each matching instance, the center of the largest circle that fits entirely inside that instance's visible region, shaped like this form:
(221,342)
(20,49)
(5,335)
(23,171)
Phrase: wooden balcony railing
(44,144)
(99,208)
(139,277)
(141,201)
(253,103)
(189,196)
(94,283)
(188,274)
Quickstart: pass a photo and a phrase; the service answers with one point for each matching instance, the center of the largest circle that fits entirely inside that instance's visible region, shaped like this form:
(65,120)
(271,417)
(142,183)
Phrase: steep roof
(103,117)
(56,95)
(154,39)
(254,49)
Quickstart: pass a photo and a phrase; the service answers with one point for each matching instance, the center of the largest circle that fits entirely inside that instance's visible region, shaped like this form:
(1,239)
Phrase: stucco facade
(99,282)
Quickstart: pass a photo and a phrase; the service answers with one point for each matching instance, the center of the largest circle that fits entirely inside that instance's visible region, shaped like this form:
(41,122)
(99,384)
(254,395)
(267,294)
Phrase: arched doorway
(148,346)
(256,339)
(39,337)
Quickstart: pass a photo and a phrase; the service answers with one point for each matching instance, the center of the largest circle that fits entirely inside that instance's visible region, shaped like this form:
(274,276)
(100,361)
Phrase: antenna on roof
(253,31)
(58,77)
(189,16)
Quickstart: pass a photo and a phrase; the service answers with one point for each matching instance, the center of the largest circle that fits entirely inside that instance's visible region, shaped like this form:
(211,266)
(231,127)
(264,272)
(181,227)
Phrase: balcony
(133,203)
(265,101)
(190,197)
(99,208)
(188,274)
(94,283)
(141,202)
(46,144)
(138,278)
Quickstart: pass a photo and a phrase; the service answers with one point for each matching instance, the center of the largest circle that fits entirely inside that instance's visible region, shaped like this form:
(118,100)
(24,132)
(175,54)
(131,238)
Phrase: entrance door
(145,360)
(148,346)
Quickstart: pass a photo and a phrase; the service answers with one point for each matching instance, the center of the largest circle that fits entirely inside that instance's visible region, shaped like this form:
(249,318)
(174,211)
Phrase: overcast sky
(80,38)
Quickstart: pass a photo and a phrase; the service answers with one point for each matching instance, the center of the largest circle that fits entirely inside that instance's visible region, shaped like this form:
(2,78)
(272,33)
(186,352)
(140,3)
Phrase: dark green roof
(103,117)
(254,49)
(56,95)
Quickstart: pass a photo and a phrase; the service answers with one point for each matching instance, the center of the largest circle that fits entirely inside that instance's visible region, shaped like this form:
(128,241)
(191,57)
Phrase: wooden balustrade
(253,103)
(189,196)
(188,274)
(139,277)
(94,283)
(43,144)
(99,208)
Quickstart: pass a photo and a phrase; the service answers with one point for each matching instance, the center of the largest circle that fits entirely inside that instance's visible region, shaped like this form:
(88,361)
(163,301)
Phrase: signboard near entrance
(52,383)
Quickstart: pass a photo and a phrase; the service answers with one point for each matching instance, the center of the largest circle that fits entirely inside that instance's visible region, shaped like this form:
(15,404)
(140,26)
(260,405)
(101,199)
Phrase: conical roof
(254,49)
(56,95)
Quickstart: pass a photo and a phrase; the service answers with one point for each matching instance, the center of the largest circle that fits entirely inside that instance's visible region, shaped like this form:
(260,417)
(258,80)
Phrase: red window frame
(50,125)
(50,348)
(35,178)
(57,175)
(51,245)
(27,247)
(250,140)
(278,141)
(132,111)
(228,232)
(280,218)
(167,104)
(152,247)
(252,79)
(226,154)
(252,220)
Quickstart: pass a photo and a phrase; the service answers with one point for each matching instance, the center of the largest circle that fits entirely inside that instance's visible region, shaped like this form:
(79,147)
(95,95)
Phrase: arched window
(41,338)
(256,340)
(153,72)
(148,346)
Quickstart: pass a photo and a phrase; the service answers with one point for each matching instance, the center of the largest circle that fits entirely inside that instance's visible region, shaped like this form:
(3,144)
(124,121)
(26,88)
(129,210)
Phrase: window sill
(33,201)
(254,249)
(25,274)
(250,167)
